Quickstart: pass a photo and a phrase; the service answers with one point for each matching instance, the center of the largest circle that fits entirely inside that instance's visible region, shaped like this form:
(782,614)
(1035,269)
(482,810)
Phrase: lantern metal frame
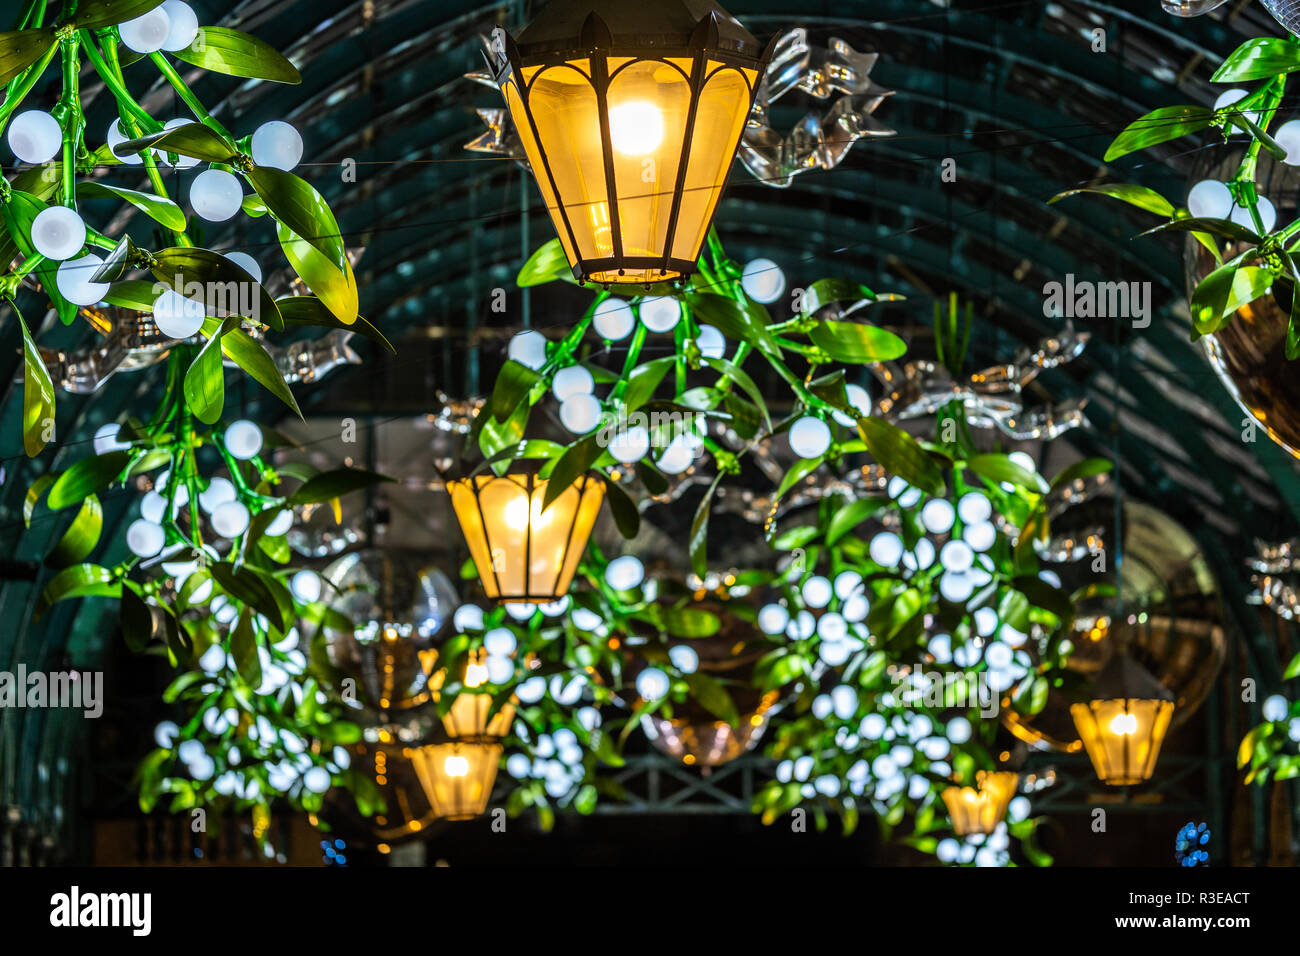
(1126,682)
(569,30)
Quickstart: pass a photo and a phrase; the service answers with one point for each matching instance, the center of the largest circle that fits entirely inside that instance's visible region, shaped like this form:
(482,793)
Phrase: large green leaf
(699,539)
(741,322)
(332,484)
(856,343)
(999,468)
(1159,126)
(644,379)
(135,294)
(19,49)
(80,580)
(160,210)
(247,587)
(547,263)
(1134,195)
(80,538)
(297,205)
(104,13)
(1258,59)
(900,454)
(309,310)
(852,515)
(1225,290)
(1082,469)
(737,375)
(87,477)
(243,648)
(205,382)
(713,697)
(249,354)
(572,465)
(33,496)
(690,622)
(626,516)
(823,292)
(228,51)
(38,396)
(193,139)
(136,619)
(514,382)
(227,289)
(335,285)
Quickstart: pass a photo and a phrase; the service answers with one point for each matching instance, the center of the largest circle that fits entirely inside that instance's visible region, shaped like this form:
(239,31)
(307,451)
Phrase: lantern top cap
(576,26)
(1125,678)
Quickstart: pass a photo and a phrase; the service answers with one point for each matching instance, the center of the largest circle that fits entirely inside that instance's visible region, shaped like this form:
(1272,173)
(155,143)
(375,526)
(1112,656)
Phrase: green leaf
(103,13)
(38,396)
(1225,290)
(573,464)
(160,210)
(699,539)
(250,355)
(1225,228)
(205,382)
(798,471)
(737,375)
(33,496)
(297,206)
(192,139)
(856,343)
(1258,59)
(740,322)
(626,516)
(243,648)
(80,580)
(309,310)
(80,538)
(643,381)
(331,281)
(690,622)
(1085,468)
(1159,126)
(1031,696)
(19,49)
(334,484)
(494,437)
(1293,326)
(87,477)
(1134,195)
(135,294)
(713,697)
(547,263)
(900,454)
(823,292)
(852,515)
(228,51)
(514,382)
(248,587)
(227,289)
(1292,669)
(136,619)
(999,468)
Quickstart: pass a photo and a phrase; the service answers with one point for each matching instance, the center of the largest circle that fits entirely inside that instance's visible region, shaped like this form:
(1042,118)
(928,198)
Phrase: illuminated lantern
(468,717)
(979,809)
(522,552)
(1125,723)
(457,777)
(630,113)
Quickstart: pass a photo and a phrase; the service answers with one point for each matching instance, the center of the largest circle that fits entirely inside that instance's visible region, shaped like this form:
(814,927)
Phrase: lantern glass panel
(457,778)
(981,808)
(1123,736)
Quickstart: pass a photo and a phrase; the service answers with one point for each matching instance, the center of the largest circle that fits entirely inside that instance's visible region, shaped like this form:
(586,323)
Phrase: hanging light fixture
(457,777)
(979,809)
(467,719)
(630,114)
(1125,723)
(522,551)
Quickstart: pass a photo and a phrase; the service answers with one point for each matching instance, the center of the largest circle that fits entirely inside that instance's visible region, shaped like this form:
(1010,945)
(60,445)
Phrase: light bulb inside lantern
(176,316)
(276,144)
(58,233)
(144,538)
(146,33)
(35,137)
(810,437)
(215,195)
(528,349)
(763,280)
(659,313)
(613,319)
(183,25)
(243,439)
(230,520)
(636,128)
(580,413)
(1124,725)
(625,573)
(574,380)
(73,280)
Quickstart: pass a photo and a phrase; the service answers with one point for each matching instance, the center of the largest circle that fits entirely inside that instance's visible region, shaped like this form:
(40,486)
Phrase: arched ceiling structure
(1013,91)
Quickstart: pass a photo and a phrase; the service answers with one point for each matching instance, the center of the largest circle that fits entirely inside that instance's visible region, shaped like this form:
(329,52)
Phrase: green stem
(21,85)
(110,72)
(187,95)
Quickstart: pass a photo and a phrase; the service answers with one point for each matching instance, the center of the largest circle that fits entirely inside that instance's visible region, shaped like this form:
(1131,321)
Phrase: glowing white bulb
(146,33)
(500,669)
(574,380)
(832,627)
(937,516)
(58,233)
(920,557)
(856,608)
(684,658)
(1267,215)
(528,349)
(860,400)
(613,319)
(215,195)
(677,457)
(886,549)
(1288,137)
(636,128)
(773,619)
(468,617)
(998,655)
(183,25)
(306,586)
(500,641)
(1227,98)
(152,507)
(958,730)
(144,538)
(176,316)
(182,162)
(847,583)
(580,412)
(1209,199)
(106,439)
(625,573)
(247,263)
(243,439)
(218,492)
(276,144)
(1275,708)
(817,592)
(317,779)
(522,610)
(810,437)
(230,519)
(115,137)
(956,556)
(630,445)
(980,536)
(956,586)
(763,280)
(652,683)
(986,621)
(73,280)
(902,492)
(35,136)
(711,342)
(280,524)
(659,313)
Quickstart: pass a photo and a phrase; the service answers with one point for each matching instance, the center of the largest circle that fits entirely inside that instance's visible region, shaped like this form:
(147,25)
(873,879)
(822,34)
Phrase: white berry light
(630,445)
(144,538)
(247,263)
(230,519)
(810,437)
(176,316)
(580,413)
(763,280)
(659,313)
(146,33)
(613,319)
(574,380)
(624,573)
(115,137)
(1288,137)
(306,586)
(1209,199)
(35,136)
(711,342)
(215,195)
(652,683)
(218,492)
(106,439)
(528,349)
(58,233)
(73,280)
(243,439)
(276,144)
(183,25)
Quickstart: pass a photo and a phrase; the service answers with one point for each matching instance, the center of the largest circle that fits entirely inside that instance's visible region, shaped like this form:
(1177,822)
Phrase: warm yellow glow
(1123,736)
(467,718)
(636,128)
(457,778)
(455,766)
(981,808)
(476,675)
